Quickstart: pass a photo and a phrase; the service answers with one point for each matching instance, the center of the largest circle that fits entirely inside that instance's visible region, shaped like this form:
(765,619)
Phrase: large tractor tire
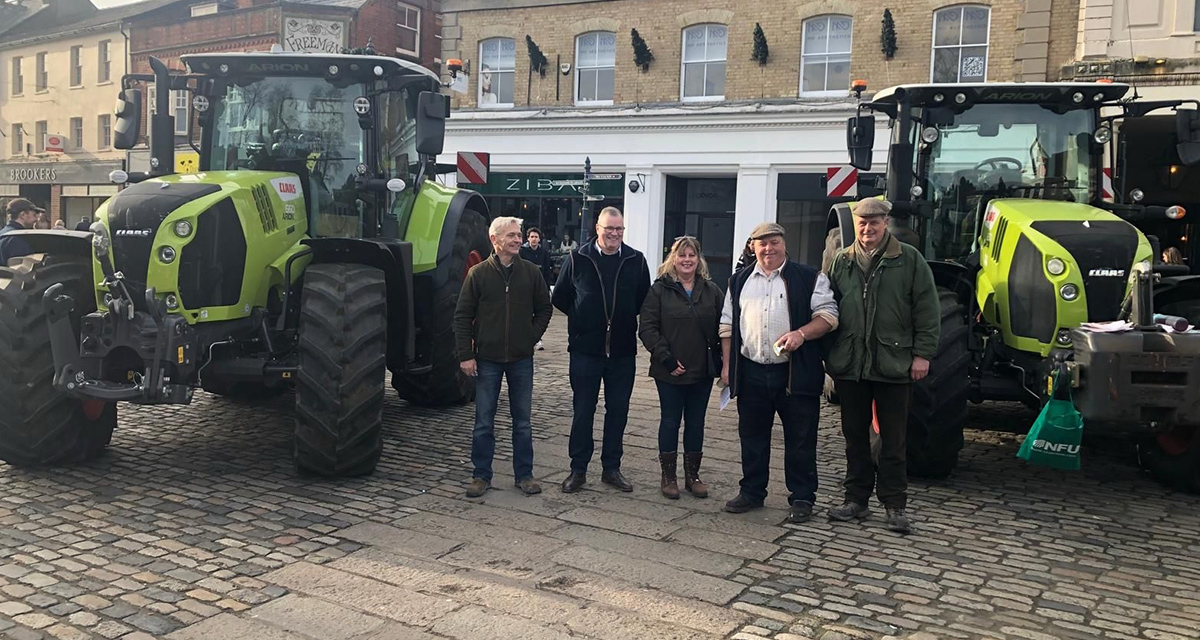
(938,409)
(1173,459)
(38,425)
(342,369)
(445,383)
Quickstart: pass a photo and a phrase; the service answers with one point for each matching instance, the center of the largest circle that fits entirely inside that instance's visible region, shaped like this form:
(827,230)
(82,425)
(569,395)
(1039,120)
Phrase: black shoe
(574,482)
(742,504)
(800,512)
(617,480)
(897,521)
(849,511)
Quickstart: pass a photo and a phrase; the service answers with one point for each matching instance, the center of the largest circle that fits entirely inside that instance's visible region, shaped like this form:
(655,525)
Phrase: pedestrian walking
(890,326)
(21,215)
(534,251)
(503,310)
(775,312)
(678,327)
(601,288)
(85,224)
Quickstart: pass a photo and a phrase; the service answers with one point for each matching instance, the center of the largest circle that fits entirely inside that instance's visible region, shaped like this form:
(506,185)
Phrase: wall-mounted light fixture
(638,183)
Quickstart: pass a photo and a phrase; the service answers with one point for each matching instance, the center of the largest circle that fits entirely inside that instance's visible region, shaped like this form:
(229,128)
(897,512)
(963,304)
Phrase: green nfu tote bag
(1056,434)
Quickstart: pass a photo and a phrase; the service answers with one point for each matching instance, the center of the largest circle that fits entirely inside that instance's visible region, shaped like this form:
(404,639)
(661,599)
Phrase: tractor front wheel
(1173,459)
(445,383)
(938,409)
(342,369)
(38,424)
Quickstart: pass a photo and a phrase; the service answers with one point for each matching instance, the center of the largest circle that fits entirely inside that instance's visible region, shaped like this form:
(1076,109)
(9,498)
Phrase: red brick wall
(377,21)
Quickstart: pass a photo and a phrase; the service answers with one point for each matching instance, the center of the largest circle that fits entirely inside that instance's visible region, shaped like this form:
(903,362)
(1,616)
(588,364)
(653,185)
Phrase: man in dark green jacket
(503,310)
(888,331)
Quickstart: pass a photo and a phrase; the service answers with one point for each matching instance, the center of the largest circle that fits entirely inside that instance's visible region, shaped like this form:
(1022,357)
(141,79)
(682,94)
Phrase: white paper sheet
(724,398)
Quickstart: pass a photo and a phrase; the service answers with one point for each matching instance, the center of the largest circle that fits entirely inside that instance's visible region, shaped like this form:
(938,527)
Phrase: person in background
(601,288)
(503,310)
(775,312)
(747,257)
(21,215)
(85,224)
(43,220)
(1172,255)
(534,251)
(679,328)
(567,245)
(890,326)
(59,225)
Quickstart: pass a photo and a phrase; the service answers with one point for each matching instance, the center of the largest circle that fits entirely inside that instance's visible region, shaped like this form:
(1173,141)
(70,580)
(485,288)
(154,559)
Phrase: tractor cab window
(997,151)
(398,148)
(304,126)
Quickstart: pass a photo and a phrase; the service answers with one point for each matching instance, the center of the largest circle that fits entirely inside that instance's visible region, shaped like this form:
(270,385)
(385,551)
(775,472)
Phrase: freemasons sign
(309,35)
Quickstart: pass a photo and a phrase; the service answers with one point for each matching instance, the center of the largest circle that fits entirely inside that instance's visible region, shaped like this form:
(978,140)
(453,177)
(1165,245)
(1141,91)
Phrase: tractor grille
(998,241)
(1104,251)
(266,215)
(1032,312)
(212,265)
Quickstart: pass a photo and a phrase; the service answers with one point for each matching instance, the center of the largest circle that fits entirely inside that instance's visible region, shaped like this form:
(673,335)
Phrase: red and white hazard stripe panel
(473,167)
(1106,185)
(841,182)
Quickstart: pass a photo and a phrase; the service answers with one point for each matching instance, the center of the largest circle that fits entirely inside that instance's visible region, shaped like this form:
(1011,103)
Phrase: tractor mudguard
(841,219)
(395,259)
(58,242)
(462,201)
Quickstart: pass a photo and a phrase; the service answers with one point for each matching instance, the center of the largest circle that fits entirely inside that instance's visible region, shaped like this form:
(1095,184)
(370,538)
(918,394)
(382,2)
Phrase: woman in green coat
(678,326)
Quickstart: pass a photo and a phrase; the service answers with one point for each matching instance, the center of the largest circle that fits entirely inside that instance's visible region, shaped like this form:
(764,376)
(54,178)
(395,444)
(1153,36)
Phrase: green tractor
(999,186)
(312,249)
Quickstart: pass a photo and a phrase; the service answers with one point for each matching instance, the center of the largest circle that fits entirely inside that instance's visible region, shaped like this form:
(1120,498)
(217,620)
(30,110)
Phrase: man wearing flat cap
(21,214)
(890,323)
(775,313)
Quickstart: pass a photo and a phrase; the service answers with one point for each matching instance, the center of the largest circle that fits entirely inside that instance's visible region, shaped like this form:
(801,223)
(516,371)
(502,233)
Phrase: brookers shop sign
(56,173)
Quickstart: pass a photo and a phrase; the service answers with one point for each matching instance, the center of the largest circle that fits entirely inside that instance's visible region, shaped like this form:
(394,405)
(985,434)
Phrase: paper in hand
(725,397)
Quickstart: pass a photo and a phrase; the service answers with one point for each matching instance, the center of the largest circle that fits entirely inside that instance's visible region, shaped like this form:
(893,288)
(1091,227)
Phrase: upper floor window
(18,139)
(41,79)
(704,48)
(825,55)
(104,61)
(18,80)
(76,133)
(104,131)
(960,44)
(409,29)
(40,130)
(497,64)
(179,103)
(595,65)
(76,65)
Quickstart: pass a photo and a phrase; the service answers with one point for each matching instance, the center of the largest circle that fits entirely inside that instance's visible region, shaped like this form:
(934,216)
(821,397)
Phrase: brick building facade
(707,140)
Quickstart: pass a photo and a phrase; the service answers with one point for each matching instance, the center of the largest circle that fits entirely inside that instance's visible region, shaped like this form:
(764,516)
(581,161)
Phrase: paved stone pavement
(194,526)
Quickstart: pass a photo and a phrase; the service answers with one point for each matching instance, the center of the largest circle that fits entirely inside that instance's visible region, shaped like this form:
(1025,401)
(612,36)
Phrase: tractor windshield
(999,151)
(305,126)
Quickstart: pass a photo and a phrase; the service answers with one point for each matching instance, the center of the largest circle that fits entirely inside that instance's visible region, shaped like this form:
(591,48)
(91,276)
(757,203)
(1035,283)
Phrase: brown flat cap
(21,205)
(869,207)
(766,229)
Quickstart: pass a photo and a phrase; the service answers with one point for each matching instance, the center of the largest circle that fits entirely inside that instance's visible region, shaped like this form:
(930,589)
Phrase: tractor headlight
(1063,337)
(960,98)
(1069,292)
(1056,266)
(183,228)
(1176,212)
(1137,195)
(101,241)
(929,135)
(1102,135)
(166,254)
(172,301)
(1077,97)
(916,191)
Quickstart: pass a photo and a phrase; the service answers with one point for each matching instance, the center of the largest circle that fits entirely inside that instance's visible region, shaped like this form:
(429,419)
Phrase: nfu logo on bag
(1058,448)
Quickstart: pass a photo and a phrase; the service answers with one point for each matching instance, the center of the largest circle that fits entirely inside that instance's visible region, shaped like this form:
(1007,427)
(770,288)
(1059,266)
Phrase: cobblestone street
(195,526)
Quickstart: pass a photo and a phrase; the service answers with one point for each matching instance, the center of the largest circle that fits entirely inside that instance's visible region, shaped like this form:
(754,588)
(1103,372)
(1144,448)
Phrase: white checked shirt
(764,313)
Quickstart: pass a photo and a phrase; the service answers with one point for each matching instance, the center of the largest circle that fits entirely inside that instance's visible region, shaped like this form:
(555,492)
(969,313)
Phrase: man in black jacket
(21,214)
(601,288)
(534,251)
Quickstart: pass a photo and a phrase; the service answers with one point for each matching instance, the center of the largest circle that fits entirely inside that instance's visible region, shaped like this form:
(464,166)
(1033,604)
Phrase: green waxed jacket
(883,323)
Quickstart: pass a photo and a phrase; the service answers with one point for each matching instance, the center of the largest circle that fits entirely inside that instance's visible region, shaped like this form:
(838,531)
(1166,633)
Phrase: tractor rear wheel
(342,368)
(38,424)
(1173,459)
(938,409)
(446,384)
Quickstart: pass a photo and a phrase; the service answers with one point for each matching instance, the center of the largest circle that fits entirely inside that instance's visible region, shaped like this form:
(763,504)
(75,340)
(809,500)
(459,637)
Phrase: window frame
(826,92)
(41,129)
(479,90)
(104,131)
(18,139)
(18,75)
(104,61)
(76,125)
(41,75)
(933,46)
(417,30)
(579,68)
(181,124)
(76,66)
(683,63)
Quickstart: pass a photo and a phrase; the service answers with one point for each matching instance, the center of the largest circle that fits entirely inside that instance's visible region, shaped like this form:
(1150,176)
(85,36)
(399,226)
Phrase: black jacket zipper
(608,313)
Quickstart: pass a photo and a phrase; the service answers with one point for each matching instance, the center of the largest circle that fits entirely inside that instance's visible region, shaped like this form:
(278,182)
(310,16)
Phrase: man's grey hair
(503,221)
(612,211)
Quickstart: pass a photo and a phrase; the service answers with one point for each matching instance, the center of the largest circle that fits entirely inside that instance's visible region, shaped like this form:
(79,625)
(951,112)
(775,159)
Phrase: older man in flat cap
(890,325)
(775,311)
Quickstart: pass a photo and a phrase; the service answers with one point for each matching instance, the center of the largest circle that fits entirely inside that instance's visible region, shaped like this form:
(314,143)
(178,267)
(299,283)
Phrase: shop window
(960,44)
(104,131)
(595,67)
(18,80)
(42,78)
(76,65)
(409,30)
(704,48)
(104,64)
(825,56)
(76,133)
(497,65)
(40,130)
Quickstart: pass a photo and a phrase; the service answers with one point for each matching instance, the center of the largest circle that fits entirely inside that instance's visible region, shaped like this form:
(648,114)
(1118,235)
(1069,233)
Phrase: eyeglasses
(613,229)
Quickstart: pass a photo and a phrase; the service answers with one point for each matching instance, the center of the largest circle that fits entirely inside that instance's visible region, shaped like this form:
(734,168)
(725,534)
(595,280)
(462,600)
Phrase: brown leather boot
(670,486)
(691,474)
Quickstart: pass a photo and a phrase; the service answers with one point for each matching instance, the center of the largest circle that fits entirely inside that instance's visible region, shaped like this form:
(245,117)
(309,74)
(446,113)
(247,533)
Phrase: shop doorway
(703,208)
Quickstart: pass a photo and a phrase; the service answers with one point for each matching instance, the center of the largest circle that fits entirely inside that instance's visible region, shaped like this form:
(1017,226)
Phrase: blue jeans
(587,372)
(686,402)
(520,401)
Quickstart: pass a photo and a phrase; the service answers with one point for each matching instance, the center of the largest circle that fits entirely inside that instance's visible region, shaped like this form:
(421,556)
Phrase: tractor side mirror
(860,141)
(1187,128)
(129,118)
(432,111)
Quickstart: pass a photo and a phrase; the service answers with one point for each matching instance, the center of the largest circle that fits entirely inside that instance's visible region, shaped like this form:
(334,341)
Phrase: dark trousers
(762,393)
(686,402)
(890,478)
(587,372)
(520,401)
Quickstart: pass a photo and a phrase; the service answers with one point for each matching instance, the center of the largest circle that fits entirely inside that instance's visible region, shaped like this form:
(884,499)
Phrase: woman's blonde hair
(683,242)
